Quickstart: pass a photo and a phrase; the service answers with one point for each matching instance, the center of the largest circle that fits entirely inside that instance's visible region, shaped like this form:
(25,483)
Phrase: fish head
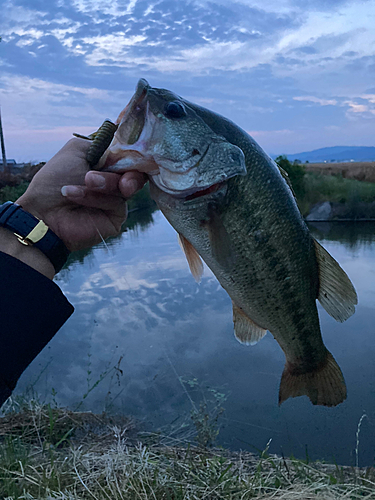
(161,134)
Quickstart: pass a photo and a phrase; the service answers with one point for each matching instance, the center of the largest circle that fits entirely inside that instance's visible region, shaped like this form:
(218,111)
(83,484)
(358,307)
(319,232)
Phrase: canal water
(146,340)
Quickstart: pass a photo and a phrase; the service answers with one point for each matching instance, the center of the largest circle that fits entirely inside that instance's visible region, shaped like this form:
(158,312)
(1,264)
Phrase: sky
(296,74)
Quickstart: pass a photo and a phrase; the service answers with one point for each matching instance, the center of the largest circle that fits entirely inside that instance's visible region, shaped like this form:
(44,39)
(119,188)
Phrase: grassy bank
(50,453)
(352,199)
(12,193)
(361,171)
(140,200)
(13,185)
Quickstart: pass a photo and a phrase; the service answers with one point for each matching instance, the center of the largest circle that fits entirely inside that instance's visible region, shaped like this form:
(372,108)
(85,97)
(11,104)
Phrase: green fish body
(232,206)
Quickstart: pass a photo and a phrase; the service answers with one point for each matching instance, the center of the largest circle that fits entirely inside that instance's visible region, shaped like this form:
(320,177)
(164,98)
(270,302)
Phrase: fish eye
(175,109)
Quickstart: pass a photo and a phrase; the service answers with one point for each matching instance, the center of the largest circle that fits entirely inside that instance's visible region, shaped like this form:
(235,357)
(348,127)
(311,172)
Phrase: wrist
(27,254)
(29,206)
(32,231)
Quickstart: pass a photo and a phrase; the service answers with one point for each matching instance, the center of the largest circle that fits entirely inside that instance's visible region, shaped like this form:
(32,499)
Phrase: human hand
(78,205)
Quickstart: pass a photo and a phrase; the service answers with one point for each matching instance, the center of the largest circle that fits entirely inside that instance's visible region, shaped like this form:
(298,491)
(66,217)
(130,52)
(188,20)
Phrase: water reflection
(351,235)
(138,220)
(136,302)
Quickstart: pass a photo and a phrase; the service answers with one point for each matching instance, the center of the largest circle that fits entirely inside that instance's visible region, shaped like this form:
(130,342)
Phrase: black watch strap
(31,230)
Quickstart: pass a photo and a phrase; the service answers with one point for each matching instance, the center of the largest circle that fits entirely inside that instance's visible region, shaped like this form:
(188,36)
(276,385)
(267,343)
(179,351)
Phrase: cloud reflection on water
(138,300)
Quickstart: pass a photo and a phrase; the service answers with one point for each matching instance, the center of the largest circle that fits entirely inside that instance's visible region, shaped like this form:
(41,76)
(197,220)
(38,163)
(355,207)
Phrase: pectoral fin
(221,246)
(336,292)
(193,258)
(245,330)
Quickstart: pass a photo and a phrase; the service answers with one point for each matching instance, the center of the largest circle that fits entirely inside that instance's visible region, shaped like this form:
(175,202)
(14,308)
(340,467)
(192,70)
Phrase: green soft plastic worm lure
(101,139)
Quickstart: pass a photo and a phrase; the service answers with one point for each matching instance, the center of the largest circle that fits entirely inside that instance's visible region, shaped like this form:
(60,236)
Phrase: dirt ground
(361,171)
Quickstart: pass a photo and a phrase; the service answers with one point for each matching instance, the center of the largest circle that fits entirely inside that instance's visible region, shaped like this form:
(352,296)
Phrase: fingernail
(74,191)
(132,186)
(97,180)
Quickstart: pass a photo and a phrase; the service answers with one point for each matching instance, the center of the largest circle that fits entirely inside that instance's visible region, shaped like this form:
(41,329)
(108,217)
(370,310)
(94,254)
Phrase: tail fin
(324,386)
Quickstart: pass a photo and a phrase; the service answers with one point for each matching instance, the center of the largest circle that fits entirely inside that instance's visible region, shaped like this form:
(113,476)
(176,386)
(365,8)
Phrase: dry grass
(58,454)
(360,171)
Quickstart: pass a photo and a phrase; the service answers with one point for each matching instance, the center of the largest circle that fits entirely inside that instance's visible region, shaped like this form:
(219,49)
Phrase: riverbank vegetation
(16,188)
(358,170)
(354,199)
(12,186)
(54,453)
(12,193)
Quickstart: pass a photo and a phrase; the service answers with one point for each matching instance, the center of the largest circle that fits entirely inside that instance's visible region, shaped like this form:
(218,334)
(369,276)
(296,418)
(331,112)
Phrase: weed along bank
(56,453)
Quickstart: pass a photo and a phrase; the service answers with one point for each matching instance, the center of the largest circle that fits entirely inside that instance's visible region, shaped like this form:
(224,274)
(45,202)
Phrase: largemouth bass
(232,206)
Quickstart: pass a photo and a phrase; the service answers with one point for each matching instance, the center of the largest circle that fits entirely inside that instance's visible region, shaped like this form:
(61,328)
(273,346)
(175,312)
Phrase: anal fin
(336,292)
(193,258)
(245,330)
(324,386)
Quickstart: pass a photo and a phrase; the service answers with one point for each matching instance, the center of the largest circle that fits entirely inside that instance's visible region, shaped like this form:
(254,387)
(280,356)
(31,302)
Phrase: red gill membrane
(203,192)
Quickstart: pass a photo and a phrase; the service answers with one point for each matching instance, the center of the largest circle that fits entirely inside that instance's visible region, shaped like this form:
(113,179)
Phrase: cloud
(317,100)
(364,106)
(283,63)
(39,116)
(184,32)
(369,97)
(357,108)
(267,133)
(168,36)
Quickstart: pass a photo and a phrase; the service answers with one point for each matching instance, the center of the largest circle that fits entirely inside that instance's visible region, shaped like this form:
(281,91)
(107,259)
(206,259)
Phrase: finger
(86,198)
(131,182)
(77,146)
(112,183)
(104,182)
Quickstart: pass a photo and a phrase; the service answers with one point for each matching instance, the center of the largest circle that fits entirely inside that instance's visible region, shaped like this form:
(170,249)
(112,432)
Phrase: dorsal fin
(245,330)
(286,177)
(336,292)
(193,258)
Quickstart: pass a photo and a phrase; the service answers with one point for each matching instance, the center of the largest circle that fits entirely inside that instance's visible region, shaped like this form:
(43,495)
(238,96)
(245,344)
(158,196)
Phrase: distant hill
(335,153)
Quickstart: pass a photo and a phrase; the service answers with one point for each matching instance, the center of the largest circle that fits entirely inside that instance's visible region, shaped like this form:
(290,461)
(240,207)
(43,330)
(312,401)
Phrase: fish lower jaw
(188,193)
(185,200)
(156,179)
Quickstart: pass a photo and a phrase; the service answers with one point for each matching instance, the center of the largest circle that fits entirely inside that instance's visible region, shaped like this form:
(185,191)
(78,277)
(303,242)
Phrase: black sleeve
(32,310)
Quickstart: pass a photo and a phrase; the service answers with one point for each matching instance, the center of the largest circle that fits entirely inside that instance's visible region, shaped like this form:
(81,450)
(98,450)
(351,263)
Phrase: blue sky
(296,74)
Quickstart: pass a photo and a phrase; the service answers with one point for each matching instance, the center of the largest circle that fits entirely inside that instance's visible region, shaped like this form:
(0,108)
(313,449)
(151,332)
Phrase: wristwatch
(32,231)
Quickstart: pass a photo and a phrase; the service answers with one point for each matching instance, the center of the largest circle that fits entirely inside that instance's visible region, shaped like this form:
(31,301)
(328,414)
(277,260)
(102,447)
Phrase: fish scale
(254,289)
(232,206)
(278,304)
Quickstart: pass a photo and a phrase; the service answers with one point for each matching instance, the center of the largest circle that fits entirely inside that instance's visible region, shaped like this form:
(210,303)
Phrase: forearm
(32,310)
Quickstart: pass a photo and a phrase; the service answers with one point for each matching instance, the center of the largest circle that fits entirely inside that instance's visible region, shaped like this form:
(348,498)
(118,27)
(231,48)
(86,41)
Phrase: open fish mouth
(133,117)
(129,147)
